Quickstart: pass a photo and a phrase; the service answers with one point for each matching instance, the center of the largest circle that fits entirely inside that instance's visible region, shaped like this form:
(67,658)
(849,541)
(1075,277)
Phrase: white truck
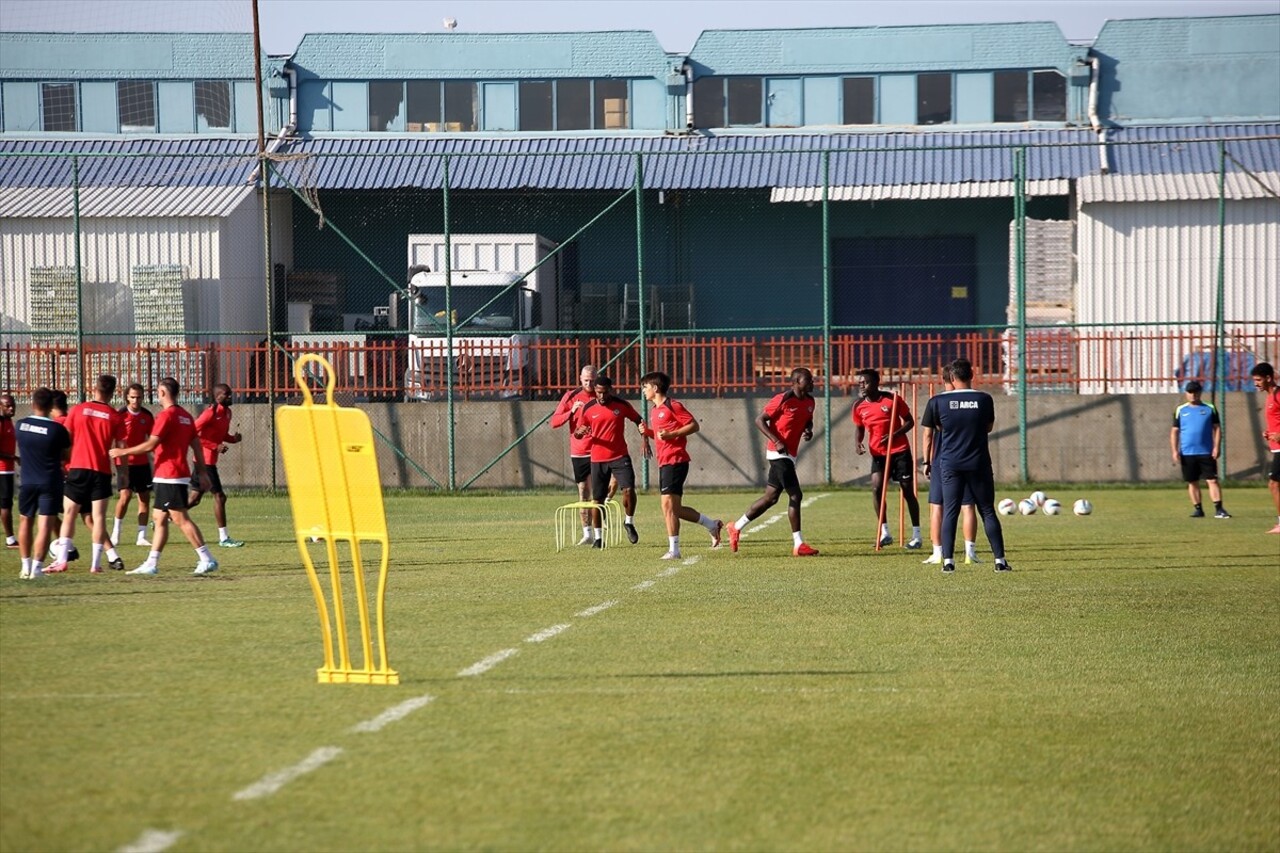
(500,293)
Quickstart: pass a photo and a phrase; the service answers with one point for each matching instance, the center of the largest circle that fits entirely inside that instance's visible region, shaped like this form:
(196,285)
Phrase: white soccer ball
(1082,507)
(1006,506)
(1051,507)
(1026,506)
(1037,498)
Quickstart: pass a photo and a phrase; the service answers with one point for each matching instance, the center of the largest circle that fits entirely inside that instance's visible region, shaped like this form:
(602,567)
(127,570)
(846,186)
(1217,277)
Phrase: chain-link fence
(440,281)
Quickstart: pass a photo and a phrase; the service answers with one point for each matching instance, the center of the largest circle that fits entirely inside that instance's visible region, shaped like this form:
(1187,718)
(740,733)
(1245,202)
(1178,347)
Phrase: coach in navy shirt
(42,448)
(963,419)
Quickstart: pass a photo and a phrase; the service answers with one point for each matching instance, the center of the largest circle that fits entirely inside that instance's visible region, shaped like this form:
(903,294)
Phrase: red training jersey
(94,428)
(213,426)
(8,446)
(175,428)
(607,423)
(137,428)
(670,415)
(874,417)
(564,414)
(790,416)
(1273,417)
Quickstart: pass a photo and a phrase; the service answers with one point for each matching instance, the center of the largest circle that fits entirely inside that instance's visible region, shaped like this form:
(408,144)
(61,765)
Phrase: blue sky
(676,23)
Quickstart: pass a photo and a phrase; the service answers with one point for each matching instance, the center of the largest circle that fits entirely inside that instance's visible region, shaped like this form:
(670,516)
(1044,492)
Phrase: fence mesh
(1110,284)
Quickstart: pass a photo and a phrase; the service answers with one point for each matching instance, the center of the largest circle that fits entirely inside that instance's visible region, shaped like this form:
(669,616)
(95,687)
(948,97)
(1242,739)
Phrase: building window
(745,101)
(386,99)
(933,98)
(612,106)
(859,100)
(1049,96)
(708,102)
(422,110)
(1030,95)
(573,104)
(459,105)
(136,106)
(58,107)
(536,105)
(213,103)
(1011,103)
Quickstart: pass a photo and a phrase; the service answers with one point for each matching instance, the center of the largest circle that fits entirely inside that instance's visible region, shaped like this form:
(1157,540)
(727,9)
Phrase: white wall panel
(1157,263)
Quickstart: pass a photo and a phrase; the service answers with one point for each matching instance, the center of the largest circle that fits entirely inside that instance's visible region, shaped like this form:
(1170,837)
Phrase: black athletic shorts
(135,478)
(6,491)
(1274,474)
(169,496)
(899,467)
(1197,468)
(621,470)
(581,468)
(782,476)
(215,482)
(39,500)
(671,478)
(84,486)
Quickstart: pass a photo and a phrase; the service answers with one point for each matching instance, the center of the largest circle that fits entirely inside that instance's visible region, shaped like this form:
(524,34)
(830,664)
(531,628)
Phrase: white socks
(797,539)
(222,534)
(673,544)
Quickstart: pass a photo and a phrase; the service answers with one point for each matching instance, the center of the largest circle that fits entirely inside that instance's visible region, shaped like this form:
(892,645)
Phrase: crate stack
(53,305)
(161,321)
(52,319)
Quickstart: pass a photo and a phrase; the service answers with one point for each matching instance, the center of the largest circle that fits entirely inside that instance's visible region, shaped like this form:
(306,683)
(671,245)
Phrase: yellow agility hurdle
(335,492)
(567,519)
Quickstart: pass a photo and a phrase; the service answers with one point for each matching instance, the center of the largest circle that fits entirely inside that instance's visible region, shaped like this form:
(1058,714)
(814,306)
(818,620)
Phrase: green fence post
(75,215)
(1020,277)
(270,292)
(449,359)
(826,311)
(642,303)
(1220,358)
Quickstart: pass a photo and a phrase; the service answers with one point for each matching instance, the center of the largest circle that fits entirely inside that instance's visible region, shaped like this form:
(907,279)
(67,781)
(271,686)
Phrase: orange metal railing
(1063,360)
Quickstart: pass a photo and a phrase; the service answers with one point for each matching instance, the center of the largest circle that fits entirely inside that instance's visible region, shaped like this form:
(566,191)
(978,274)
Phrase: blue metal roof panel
(127,162)
(742,161)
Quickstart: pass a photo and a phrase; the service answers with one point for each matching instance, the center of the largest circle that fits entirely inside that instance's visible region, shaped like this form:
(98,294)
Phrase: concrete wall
(1071,439)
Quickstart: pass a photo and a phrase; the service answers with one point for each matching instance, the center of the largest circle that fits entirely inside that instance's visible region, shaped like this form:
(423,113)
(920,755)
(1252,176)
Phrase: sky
(676,23)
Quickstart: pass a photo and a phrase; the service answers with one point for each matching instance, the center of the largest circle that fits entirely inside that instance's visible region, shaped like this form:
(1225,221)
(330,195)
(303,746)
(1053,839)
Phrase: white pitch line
(547,633)
(152,841)
(592,611)
(481,667)
(689,561)
(392,714)
(272,782)
(643,585)
(778,516)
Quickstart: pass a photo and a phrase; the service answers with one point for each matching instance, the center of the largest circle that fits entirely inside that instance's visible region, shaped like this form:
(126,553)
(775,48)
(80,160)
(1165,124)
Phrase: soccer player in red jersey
(214,428)
(134,472)
(568,412)
(8,467)
(173,437)
(604,420)
(1264,379)
(872,414)
(671,424)
(786,419)
(94,427)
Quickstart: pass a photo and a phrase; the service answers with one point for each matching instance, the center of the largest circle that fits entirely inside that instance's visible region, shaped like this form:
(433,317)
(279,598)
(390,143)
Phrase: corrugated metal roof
(128,202)
(181,162)
(970,189)
(1177,187)
(743,161)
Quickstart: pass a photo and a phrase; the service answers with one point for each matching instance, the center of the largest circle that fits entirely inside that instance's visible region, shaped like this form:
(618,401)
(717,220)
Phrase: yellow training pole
(336,494)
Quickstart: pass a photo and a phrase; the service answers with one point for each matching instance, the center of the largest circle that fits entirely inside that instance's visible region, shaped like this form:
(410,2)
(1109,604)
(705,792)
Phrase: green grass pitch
(1120,690)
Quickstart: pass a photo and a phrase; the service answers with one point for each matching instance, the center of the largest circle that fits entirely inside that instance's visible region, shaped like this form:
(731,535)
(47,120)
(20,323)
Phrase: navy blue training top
(962,419)
(41,442)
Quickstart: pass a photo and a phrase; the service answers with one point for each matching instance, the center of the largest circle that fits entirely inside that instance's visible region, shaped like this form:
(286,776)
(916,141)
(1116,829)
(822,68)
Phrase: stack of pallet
(161,322)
